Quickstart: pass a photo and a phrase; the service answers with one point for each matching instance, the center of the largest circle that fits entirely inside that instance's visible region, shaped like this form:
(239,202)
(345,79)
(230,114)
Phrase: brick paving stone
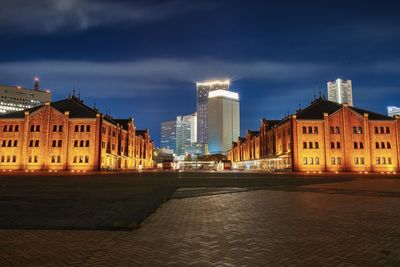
(255,228)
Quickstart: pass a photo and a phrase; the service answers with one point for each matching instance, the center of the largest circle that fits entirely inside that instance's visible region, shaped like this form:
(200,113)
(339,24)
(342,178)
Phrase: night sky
(142,58)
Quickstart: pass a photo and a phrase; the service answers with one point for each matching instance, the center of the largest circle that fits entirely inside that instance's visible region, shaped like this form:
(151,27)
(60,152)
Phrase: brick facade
(68,135)
(326,136)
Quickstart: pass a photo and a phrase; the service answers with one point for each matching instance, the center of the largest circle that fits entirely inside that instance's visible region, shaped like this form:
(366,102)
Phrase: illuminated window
(333,161)
(311,160)
(305,161)
(378,160)
(383,160)
(339,160)
(356,161)
(360,130)
(8,158)
(316,161)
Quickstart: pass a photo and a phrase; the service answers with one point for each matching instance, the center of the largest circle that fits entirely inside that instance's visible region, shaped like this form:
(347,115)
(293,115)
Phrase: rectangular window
(35,159)
(76,128)
(9,143)
(16,128)
(2,158)
(60,128)
(311,161)
(75,159)
(362,162)
(75,143)
(361,145)
(337,130)
(333,161)
(304,130)
(382,144)
(316,161)
(37,143)
(82,128)
(304,144)
(337,145)
(383,160)
(332,130)
(54,128)
(59,143)
(87,143)
(15,143)
(356,161)
(32,129)
(389,160)
(54,144)
(378,160)
(8,158)
(382,130)
(309,129)
(4,143)
(81,143)
(376,130)
(86,159)
(37,128)
(5,128)
(387,130)
(315,130)
(305,161)
(355,145)
(377,145)
(310,144)
(88,128)
(354,129)
(316,145)
(53,159)
(339,160)
(80,159)
(360,130)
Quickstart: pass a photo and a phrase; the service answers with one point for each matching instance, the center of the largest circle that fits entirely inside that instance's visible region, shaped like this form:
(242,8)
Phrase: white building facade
(16,98)
(340,91)
(393,111)
(223,120)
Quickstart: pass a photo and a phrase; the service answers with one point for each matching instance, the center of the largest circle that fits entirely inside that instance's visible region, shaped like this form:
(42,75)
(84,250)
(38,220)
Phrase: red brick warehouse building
(69,135)
(325,136)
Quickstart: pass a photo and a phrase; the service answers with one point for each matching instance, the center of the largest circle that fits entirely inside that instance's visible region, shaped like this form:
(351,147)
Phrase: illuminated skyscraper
(392,111)
(203,89)
(340,91)
(223,120)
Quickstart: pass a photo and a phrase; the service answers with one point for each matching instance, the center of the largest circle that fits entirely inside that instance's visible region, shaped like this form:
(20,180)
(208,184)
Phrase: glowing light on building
(223,93)
(211,83)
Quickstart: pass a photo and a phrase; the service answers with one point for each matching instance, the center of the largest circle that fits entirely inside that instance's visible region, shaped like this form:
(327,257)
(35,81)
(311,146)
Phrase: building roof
(75,106)
(318,107)
(142,132)
(123,122)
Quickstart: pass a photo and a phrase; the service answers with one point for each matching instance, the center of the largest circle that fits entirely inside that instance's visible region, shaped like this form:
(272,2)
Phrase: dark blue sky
(142,58)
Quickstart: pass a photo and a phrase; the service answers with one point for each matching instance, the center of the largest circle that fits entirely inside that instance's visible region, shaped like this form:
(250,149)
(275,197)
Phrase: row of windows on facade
(283,133)
(104,130)
(357,161)
(55,143)
(35,159)
(356,145)
(336,130)
(36,128)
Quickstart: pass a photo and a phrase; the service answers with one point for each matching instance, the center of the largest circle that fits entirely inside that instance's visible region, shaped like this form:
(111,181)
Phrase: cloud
(146,77)
(47,16)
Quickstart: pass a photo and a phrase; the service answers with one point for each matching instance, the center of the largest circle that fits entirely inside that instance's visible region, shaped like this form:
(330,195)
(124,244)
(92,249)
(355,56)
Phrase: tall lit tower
(203,88)
(223,120)
(340,91)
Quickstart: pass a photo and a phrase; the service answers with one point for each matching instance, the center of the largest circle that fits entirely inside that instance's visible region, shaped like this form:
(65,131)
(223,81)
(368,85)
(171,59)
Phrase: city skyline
(138,59)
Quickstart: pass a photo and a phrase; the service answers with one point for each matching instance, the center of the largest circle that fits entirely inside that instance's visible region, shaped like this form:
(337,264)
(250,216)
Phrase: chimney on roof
(36,86)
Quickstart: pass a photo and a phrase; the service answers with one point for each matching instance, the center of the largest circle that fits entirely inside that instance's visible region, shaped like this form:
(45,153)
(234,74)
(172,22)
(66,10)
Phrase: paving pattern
(253,228)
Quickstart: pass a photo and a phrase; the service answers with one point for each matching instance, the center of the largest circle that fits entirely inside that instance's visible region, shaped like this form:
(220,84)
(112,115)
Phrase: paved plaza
(207,220)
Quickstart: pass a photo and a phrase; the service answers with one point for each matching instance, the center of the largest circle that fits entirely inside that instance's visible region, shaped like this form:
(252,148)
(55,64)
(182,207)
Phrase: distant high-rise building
(179,134)
(223,120)
(203,88)
(168,135)
(192,119)
(16,98)
(340,91)
(392,111)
